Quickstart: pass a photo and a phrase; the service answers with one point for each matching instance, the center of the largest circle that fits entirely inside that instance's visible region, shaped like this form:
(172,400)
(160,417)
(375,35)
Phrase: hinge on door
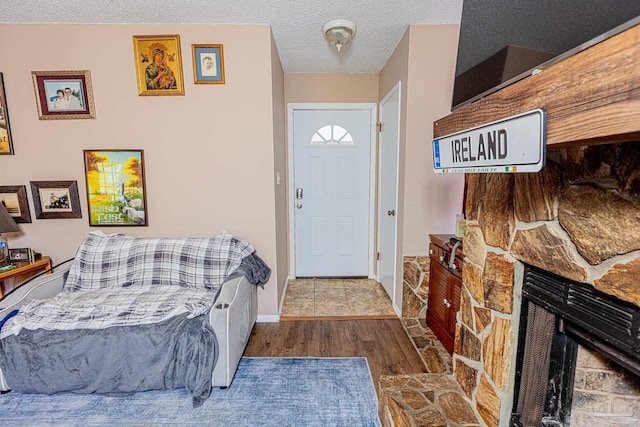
(378,256)
(379,126)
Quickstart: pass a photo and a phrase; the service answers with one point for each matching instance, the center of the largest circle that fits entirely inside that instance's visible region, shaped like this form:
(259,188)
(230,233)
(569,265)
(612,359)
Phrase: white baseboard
(268,318)
(397,310)
(284,293)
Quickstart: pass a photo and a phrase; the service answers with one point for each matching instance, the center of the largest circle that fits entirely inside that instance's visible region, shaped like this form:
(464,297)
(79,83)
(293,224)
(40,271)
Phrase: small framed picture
(116,192)
(208,63)
(64,94)
(6,143)
(56,199)
(14,199)
(158,65)
(20,255)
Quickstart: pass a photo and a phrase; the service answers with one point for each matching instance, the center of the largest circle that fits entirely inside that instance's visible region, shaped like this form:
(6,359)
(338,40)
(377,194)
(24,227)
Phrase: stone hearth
(579,218)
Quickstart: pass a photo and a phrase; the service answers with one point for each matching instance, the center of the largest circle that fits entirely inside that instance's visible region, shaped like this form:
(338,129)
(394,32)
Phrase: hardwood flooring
(383,342)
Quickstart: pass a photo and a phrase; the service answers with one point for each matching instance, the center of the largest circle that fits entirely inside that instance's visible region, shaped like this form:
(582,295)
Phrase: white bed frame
(232,317)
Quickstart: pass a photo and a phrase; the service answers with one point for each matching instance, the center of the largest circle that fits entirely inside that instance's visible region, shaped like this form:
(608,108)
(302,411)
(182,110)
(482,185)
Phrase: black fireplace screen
(557,314)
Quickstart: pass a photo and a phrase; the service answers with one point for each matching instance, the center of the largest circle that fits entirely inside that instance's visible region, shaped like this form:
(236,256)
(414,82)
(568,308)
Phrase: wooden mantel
(591,97)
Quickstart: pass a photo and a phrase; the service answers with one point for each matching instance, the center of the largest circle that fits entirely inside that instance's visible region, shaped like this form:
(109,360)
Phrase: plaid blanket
(119,280)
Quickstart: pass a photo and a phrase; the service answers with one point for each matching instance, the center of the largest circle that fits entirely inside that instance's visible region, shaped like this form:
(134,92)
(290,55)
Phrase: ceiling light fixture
(339,32)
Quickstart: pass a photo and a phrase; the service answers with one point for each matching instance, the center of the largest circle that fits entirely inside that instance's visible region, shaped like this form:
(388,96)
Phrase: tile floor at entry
(336,298)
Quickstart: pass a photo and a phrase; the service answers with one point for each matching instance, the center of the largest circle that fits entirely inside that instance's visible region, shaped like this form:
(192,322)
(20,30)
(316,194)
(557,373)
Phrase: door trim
(396,88)
(291,107)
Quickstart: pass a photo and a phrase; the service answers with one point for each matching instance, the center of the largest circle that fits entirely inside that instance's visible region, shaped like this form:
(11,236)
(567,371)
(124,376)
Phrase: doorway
(389,139)
(331,189)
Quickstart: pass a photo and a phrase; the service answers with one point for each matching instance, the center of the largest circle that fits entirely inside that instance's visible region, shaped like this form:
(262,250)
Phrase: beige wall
(424,63)
(431,200)
(309,87)
(397,70)
(279,146)
(209,154)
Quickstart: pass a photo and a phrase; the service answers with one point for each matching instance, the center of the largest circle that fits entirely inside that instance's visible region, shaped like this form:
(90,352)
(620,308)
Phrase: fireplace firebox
(559,317)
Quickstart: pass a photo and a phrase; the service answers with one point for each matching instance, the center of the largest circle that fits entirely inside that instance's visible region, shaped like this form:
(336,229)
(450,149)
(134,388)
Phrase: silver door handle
(299,206)
(391,213)
(299,193)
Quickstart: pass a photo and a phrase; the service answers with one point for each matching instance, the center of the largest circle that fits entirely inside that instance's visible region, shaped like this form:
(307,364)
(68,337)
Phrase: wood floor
(383,342)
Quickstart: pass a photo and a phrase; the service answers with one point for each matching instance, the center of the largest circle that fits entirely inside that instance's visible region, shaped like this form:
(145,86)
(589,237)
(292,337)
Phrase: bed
(132,315)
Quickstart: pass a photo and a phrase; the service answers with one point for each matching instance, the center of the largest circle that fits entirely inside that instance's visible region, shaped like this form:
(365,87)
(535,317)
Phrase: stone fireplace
(580,219)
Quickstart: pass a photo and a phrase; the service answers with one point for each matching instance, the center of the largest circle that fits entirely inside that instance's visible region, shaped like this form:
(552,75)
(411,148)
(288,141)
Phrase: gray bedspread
(176,353)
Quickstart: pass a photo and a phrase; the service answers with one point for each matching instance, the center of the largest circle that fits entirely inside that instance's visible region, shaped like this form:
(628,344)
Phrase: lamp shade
(7,224)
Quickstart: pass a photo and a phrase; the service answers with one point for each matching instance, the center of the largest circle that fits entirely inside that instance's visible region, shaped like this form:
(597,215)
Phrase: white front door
(331,157)
(388,189)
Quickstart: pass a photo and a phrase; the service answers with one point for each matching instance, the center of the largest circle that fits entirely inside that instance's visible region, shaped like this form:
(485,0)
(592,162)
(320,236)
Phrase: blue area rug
(265,392)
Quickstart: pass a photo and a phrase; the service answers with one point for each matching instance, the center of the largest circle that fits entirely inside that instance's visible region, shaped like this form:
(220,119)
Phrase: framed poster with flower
(115,187)
(6,144)
(64,94)
(158,65)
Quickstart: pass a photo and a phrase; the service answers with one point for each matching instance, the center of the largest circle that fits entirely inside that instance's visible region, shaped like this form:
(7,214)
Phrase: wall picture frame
(116,192)
(6,142)
(56,199)
(208,63)
(64,94)
(14,198)
(158,65)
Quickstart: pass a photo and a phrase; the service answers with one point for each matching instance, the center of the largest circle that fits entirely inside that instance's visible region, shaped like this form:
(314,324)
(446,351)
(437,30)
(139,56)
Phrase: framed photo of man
(64,94)
(208,63)
(6,144)
(158,65)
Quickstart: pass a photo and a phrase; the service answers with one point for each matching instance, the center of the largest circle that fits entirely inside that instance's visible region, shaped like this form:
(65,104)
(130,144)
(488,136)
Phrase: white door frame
(397,88)
(291,107)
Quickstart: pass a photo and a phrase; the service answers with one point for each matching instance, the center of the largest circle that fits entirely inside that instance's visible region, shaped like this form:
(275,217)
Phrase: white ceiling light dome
(339,32)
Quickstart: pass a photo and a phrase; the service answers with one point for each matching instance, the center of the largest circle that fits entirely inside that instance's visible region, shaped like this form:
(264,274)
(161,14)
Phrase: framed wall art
(14,198)
(64,94)
(208,63)
(158,65)
(56,199)
(115,187)
(6,144)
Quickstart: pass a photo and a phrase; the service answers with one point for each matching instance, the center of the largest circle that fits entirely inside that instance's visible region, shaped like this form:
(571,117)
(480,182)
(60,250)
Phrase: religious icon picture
(158,65)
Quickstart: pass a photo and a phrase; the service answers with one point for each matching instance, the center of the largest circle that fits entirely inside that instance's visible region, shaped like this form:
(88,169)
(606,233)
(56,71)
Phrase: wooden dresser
(445,285)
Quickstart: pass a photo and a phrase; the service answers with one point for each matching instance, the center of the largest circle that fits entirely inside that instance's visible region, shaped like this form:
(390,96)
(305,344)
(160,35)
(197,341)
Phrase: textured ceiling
(296,24)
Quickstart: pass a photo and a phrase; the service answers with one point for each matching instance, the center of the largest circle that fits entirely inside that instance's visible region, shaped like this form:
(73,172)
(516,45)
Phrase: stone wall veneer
(497,221)
(498,283)
(622,281)
(476,189)
(612,229)
(594,238)
(474,244)
(498,349)
(542,248)
(415,286)
(536,194)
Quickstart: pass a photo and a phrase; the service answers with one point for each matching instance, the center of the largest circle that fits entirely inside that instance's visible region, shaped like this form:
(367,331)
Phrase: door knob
(391,213)
(299,206)
(299,193)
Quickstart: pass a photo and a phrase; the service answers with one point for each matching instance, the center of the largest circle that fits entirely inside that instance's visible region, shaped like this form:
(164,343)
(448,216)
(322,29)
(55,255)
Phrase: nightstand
(15,277)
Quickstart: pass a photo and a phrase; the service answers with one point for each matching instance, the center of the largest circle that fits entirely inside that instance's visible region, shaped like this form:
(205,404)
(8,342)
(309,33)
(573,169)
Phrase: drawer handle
(430,251)
(446,303)
(441,258)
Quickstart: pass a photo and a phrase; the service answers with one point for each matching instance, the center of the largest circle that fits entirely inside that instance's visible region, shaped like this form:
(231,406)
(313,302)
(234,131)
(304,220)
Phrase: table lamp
(7,225)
